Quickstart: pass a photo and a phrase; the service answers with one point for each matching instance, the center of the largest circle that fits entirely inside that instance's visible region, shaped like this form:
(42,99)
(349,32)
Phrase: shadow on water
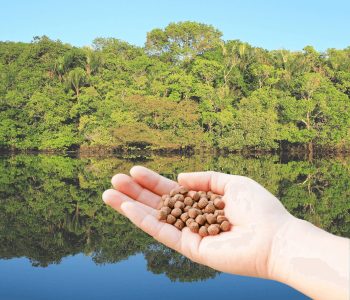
(50,206)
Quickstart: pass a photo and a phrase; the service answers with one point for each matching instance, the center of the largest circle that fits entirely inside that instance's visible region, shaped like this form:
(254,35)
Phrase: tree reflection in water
(51,207)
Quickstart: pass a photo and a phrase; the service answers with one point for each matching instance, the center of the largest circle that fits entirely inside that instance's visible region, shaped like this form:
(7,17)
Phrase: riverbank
(297,152)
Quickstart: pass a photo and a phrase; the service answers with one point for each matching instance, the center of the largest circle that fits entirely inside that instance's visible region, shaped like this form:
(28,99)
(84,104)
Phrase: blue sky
(267,23)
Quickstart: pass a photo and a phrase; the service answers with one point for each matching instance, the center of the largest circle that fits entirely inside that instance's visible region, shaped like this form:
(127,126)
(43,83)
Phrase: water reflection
(50,206)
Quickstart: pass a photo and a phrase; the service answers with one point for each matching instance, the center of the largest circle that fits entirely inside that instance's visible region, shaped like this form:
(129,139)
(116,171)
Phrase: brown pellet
(172,202)
(183,190)
(210,208)
(189,221)
(161,215)
(184,217)
(203,231)
(214,196)
(170,219)
(194,227)
(174,191)
(200,219)
(188,201)
(166,201)
(187,208)
(179,224)
(194,195)
(219,203)
(219,212)
(213,229)
(221,219)
(195,205)
(176,212)
(203,202)
(202,194)
(179,204)
(193,213)
(211,219)
(179,197)
(225,226)
(166,209)
(209,194)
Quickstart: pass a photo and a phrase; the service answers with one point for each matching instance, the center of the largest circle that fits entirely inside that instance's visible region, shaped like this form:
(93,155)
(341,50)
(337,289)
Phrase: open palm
(255,213)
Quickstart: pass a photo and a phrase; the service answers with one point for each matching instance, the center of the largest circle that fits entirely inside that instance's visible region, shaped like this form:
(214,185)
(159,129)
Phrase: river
(58,240)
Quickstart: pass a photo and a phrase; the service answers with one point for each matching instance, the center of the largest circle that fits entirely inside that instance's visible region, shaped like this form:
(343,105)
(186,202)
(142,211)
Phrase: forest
(186,89)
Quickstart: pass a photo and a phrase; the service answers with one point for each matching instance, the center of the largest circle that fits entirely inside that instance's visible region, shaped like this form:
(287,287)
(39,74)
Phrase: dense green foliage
(187,88)
(51,207)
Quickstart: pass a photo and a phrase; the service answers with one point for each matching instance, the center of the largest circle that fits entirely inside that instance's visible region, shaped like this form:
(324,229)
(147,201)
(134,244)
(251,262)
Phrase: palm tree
(93,61)
(76,79)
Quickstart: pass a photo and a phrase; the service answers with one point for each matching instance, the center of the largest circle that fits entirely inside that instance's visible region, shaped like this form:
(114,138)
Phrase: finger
(190,243)
(115,199)
(205,181)
(165,233)
(152,181)
(129,187)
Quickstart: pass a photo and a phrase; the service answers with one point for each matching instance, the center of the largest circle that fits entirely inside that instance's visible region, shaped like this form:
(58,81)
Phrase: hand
(256,215)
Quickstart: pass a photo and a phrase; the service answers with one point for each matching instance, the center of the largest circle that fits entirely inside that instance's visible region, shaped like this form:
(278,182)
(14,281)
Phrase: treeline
(185,89)
(51,207)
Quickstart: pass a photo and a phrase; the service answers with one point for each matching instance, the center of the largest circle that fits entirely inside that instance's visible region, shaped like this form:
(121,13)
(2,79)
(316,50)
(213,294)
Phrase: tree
(182,41)
(93,61)
(76,79)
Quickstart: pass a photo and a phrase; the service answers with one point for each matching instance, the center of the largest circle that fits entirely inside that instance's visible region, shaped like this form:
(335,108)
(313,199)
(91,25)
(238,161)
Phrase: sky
(270,24)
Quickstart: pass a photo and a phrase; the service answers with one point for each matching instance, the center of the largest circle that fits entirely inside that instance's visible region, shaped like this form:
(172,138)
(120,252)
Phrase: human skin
(265,240)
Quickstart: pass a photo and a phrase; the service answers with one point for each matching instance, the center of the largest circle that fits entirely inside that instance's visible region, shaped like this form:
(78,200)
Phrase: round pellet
(193,213)
(221,219)
(200,219)
(189,221)
(179,197)
(166,201)
(184,217)
(202,194)
(203,231)
(219,203)
(170,219)
(210,208)
(183,190)
(213,229)
(173,192)
(172,202)
(194,227)
(219,212)
(211,219)
(225,226)
(203,202)
(179,204)
(188,201)
(214,196)
(179,224)
(194,195)
(176,212)
(161,215)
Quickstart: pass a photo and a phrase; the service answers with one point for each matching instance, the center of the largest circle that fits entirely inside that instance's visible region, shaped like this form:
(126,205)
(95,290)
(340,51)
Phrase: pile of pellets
(202,212)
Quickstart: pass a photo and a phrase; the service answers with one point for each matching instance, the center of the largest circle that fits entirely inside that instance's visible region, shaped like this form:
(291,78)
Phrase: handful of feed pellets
(202,212)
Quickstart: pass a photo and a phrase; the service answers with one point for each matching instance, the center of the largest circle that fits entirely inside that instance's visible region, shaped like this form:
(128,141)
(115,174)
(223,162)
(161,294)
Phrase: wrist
(282,245)
(310,260)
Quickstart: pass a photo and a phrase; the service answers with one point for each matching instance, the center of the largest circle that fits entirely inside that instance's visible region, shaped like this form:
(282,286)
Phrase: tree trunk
(310,148)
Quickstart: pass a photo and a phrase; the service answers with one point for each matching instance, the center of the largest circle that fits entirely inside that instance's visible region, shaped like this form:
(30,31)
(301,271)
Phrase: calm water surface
(58,240)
